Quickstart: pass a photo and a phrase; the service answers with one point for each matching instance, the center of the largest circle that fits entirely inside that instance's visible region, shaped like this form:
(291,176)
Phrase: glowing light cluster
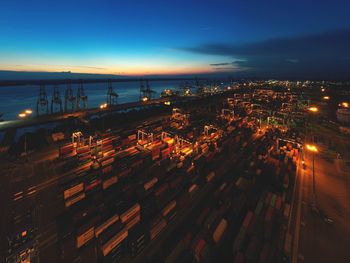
(103,106)
(311,147)
(25,113)
(313,109)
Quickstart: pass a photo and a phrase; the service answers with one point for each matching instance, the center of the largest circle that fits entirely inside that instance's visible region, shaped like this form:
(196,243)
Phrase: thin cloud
(224,68)
(220,64)
(318,56)
(57,65)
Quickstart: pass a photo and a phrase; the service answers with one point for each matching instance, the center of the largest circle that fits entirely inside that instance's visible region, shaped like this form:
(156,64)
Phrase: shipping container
(239,258)
(137,239)
(210,176)
(130,213)
(210,222)
(76,187)
(252,250)
(156,227)
(258,208)
(74,199)
(273,200)
(173,257)
(239,240)
(108,182)
(264,254)
(86,230)
(247,219)
(220,231)
(106,224)
(114,242)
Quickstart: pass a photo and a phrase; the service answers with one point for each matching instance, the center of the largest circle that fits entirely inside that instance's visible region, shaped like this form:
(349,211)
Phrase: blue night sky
(284,38)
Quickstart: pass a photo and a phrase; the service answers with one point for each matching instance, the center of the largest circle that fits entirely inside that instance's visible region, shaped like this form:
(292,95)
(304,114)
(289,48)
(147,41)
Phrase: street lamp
(313,109)
(326,97)
(345,104)
(23,115)
(103,106)
(312,148)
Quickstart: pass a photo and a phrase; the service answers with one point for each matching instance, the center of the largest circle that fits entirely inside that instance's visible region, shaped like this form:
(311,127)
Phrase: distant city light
(29,111)
(144,99)
(326,97)
(22,115)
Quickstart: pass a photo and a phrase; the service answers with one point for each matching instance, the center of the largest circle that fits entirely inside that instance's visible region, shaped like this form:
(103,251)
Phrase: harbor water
(15,99)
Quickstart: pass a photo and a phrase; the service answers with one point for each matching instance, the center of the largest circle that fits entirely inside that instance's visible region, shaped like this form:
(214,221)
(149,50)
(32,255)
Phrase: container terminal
(188,177)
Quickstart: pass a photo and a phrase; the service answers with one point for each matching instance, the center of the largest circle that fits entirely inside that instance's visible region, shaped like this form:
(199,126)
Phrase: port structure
(77,138)
(183,146)
(146,93)
(112,96)
(56,101)
(81,97)
(180,117)
(228,114)
(186,89)
(144,138)
(208,129)
(69,98)
(42,104)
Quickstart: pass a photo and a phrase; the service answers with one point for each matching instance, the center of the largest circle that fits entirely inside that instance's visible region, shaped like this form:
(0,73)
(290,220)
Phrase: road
(318,241)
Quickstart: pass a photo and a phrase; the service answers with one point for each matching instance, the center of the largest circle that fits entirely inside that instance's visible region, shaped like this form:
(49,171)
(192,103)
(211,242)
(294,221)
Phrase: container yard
(201,182)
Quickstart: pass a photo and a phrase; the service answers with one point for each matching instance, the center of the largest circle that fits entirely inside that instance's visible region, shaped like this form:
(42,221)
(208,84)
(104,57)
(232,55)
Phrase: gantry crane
(56,99)
(42,104)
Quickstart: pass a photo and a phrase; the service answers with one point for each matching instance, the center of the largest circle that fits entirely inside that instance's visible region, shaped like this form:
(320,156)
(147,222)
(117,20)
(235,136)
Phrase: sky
(246,38)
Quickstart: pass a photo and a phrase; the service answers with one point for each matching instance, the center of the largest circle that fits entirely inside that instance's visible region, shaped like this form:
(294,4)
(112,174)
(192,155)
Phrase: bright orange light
(326,97)
(103,106)
(144,99)
(345,104)
(311,148)
(28,111)
(22,115)
(313,109)
(167,103)
(24,233)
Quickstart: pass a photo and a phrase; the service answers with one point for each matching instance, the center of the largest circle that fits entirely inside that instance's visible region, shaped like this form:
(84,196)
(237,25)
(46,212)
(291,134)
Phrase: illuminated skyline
(178,37)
